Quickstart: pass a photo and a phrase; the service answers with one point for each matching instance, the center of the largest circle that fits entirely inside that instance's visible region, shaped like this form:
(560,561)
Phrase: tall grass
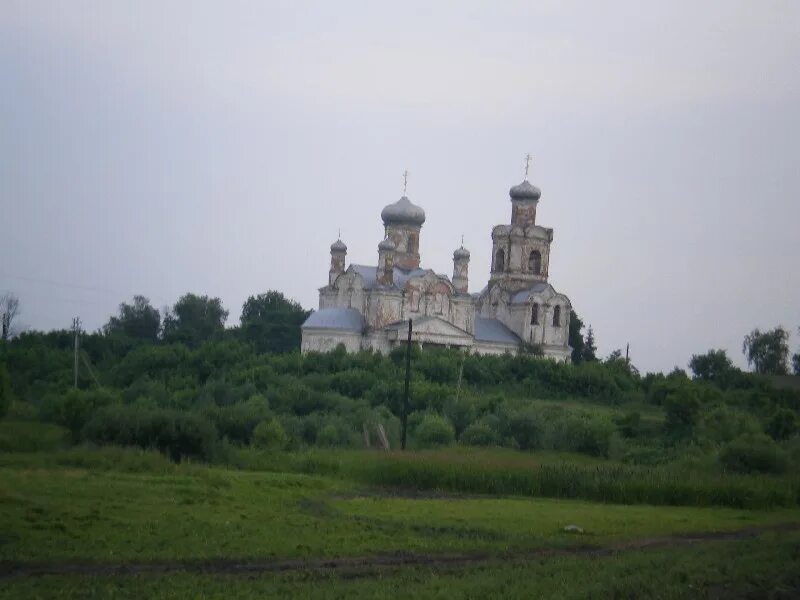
(612,483)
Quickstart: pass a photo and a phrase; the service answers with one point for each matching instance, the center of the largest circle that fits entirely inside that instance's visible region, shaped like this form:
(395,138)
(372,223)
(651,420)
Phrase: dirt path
(352,566)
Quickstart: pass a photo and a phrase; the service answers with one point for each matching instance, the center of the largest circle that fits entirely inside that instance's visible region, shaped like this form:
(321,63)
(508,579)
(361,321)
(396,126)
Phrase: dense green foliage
(196,389)
(5,391)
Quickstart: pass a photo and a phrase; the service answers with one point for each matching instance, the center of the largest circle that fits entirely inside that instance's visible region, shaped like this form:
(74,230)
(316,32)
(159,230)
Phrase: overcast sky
(158,148)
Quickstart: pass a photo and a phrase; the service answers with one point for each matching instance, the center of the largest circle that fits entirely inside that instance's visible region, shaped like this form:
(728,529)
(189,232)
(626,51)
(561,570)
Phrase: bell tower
(521,250)
(402,223)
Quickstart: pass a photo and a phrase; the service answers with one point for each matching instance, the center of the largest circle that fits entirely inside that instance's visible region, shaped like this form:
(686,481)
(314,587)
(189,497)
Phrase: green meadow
(209,467)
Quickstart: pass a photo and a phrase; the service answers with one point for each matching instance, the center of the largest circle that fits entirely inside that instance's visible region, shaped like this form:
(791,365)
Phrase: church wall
(325,340)
(487,348)
(376,341)
(383,308)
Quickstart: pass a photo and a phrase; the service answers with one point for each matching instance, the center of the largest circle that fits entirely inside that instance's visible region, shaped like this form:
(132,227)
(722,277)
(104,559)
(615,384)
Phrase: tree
(589,347)
(576,337)
(768,352)
(272,322)
(711,366)
(796,360)
(9,309)
(194,319)
(137,321)
(5,391)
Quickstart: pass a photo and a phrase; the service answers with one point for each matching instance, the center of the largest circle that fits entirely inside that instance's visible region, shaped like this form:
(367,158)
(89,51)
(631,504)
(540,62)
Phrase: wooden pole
(407,390)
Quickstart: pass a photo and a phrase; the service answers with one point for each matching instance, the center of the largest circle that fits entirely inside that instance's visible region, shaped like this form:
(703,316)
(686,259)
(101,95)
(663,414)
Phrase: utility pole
(76,329)
(627,352)
(408,384)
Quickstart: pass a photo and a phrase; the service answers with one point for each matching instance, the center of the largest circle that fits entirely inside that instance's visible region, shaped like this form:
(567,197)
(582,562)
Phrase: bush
(578,431)
(354,383)
(175,433)
(270,435)
(335,432)
(524,427)
(682,409)
(5,391)
(74,409)
(629,424)
(754,453)
(479,434)
(434,430)
(724,424)
(783,424)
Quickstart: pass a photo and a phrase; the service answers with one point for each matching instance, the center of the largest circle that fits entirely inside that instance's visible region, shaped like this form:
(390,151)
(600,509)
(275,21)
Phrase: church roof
(403,212)
(348,319)
(492,330)
(370,275)
(522,297)
(525,191)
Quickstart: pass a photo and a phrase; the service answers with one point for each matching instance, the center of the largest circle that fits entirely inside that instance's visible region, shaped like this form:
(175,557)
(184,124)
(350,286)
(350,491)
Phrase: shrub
(479,434)
(434,430)
(724,424)
(461,413)
(524,427)
(335,432)
(5,391)
(754,453)
(74,409)
(682,409)
(629,424)
(578,431)
(270,435)
(783,424)
(175,433)
(238,421)
(354,383)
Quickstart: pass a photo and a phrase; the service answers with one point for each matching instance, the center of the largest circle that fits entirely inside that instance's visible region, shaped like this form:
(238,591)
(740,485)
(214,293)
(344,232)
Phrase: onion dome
(403,212)
(525,191)
(338,246)
(386,245)
(461,253)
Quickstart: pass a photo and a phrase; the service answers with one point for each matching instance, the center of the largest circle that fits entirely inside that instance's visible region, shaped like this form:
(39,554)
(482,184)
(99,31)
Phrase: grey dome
(386,244)
(338,246)
(525,191)
(461,253)
(403,212)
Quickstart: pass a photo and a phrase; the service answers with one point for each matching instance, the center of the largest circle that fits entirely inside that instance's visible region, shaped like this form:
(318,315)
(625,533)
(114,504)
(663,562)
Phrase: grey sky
(166,147)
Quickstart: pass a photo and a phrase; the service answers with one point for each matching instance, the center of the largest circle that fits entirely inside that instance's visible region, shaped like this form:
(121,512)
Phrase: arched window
(535,262)
(500,261)
(557,316)
(535,314)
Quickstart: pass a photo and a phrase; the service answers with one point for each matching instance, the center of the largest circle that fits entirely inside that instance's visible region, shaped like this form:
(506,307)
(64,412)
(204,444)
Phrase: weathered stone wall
(325,340)
(406,241)
(383,308)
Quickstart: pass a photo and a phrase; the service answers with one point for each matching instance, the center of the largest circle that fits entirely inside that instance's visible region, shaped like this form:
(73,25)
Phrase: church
(368,306)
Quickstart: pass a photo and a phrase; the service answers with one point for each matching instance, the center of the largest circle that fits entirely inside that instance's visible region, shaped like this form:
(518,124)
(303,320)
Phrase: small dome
(461,253)
(386,244)
(403,212)
(525,191)
(338,246)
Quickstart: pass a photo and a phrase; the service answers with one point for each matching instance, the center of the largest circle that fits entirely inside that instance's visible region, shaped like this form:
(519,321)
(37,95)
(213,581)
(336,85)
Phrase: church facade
(368,306)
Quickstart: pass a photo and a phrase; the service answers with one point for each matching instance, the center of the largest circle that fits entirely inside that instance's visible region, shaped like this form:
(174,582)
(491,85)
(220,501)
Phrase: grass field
(130,524)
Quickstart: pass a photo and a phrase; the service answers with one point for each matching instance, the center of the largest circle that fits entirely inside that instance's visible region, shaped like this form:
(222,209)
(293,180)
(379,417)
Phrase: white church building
(368,306)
